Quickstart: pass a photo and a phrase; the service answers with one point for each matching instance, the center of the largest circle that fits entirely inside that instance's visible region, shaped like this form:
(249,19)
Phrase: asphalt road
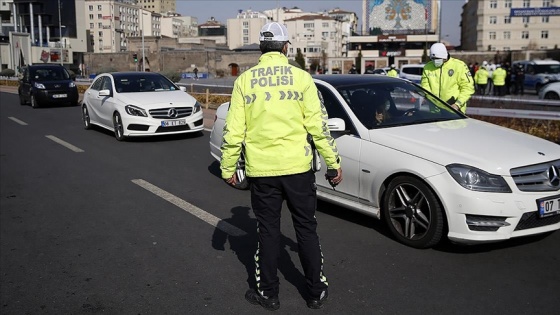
(92,225)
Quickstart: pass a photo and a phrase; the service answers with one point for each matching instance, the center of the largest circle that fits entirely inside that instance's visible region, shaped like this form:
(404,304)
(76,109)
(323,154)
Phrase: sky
(222,10)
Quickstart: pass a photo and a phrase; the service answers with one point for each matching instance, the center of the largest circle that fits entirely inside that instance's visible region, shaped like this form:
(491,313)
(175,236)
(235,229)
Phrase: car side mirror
(105,93)
(336,125)
(182,88)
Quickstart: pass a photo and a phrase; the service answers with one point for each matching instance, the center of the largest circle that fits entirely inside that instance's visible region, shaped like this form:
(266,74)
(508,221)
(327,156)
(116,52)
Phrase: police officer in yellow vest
(481,80)
(448,78)
(499,78)
(274,107)
(393,72)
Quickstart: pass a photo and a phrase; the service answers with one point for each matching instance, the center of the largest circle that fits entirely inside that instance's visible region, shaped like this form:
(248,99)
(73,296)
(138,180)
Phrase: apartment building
(506,25)
(162,7)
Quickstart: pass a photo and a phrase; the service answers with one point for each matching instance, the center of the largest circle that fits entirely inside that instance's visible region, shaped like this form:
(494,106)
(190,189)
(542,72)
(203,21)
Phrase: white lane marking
(64,143)
(23,123)
(197,212)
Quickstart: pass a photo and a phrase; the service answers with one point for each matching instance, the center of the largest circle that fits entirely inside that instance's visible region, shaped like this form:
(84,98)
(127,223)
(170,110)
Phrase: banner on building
(535,12)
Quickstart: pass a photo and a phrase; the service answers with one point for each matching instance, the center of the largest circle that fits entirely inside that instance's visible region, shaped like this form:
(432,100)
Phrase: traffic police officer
(499,79)
(274,107)
(393,72)
(448,78)
(481,80)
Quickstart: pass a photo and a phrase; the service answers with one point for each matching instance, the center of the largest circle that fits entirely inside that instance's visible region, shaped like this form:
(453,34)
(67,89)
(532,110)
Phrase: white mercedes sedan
(428,171)
(140,104)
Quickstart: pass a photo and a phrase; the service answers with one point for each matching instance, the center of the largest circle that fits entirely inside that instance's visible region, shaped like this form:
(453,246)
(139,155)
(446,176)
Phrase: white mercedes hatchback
(140,104)
(429,171)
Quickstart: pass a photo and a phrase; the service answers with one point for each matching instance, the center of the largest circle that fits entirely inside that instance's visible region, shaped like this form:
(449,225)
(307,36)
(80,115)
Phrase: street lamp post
(60,35)
(143,56)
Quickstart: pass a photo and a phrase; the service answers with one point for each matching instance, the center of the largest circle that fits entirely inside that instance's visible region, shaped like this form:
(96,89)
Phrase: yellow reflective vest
(392,73)
(481,76)
(274,106)
(450,81)
(499,77)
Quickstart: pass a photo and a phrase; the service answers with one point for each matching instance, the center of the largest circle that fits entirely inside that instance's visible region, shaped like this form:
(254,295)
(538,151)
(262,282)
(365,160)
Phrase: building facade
(162,7)
(506,25)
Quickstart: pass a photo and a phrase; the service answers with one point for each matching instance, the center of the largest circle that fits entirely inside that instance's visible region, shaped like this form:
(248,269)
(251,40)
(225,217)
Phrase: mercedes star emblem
(553,176)
(172,113)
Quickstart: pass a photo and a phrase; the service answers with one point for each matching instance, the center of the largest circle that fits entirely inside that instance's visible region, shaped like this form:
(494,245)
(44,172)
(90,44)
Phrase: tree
(300,59)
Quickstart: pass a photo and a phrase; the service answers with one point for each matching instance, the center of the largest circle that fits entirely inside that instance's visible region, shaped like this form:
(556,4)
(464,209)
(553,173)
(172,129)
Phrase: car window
(50,74)
(413,70)
(106,84)
(143,83)
(399,103)
(335,109)
(97,84)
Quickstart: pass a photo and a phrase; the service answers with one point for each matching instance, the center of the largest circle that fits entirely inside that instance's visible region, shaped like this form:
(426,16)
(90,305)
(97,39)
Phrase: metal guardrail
(514,113)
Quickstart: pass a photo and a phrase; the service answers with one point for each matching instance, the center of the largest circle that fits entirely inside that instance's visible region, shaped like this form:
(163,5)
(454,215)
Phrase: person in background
(448,78)
(481,80)
(499,79)
(393,72)
(490,68)
(507,88)
(353,70)
(519,79)
(195,73)
(273,133)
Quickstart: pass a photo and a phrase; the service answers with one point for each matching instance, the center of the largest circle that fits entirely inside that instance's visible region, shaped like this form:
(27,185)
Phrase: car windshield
(413,70)
(50,74)
(382,105)
(143,83)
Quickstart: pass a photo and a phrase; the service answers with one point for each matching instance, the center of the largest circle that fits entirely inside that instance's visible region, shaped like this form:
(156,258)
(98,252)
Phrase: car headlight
(39,85)
(197,107)
(135,111)
(477,180)
(72,84)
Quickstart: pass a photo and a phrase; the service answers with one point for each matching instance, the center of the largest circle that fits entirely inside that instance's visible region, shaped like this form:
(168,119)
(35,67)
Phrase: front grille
(172,129)
(138,127)
(531,220)
(536,177)
(164,112)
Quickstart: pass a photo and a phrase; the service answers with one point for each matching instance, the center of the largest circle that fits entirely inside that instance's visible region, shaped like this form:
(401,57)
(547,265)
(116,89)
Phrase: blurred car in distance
(412,72)
(550,91)
(135,104)
(47,84)
(538,73)
(384,70)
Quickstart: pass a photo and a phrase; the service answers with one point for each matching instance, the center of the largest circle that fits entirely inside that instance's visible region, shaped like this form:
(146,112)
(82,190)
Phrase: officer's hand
(336,180)
(232,180)
(455,106)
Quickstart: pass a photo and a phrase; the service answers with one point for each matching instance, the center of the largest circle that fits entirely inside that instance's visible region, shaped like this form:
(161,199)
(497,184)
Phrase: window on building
(309,25)
(100,25)
(546,3)
(245,24)
(492,35)
(99,8)
(100,16)
(507,19)
(526,3)
(544,47)
(544,34)
(245,40)
(325,24)
(525,35)
(526,19)
(507,4)
(493,4)
(507,35)
(545,19)
(91,25)
(91,8)
(100,34)
(245,32)
(325,35)
(91,16)
(493,20)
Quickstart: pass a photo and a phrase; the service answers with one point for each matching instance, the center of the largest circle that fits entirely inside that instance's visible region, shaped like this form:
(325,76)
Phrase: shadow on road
(245,247)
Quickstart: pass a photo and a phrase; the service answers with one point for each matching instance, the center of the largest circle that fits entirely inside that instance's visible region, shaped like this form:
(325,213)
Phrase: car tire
(551,96)
(118,127)
(86,118)
(34,102)
(413,213)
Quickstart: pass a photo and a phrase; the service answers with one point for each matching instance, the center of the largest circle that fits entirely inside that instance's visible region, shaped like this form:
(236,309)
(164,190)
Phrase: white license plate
(549,206)
(59,95)
(171,123)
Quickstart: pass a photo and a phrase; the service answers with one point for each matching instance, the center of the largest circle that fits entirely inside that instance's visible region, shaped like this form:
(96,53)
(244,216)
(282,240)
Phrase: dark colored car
(47,84)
